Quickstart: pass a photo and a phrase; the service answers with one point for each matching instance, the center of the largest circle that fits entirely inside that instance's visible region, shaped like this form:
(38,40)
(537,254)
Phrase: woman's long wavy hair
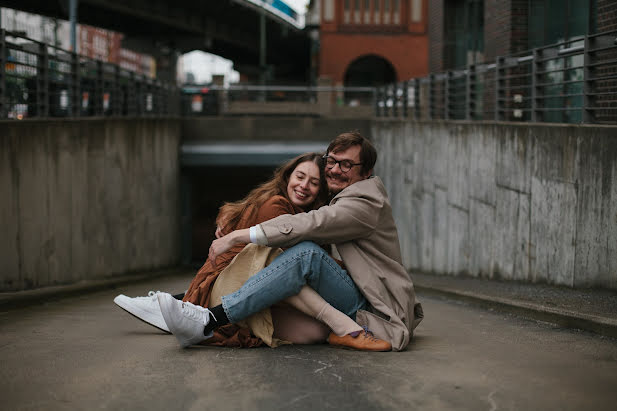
(230,213)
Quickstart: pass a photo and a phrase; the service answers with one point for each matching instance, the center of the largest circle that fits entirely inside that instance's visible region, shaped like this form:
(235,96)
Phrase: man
(358,222)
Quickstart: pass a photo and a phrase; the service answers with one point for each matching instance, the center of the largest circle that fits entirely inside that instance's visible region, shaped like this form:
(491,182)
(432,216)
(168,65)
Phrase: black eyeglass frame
(340,163)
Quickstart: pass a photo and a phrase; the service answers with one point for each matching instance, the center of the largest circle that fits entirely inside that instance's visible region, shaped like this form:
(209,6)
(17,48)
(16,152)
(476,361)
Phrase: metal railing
(40,80)
(568,82)
(277,99)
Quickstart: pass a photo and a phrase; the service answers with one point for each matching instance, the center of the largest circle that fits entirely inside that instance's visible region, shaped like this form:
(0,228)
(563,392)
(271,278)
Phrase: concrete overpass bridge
(233,29)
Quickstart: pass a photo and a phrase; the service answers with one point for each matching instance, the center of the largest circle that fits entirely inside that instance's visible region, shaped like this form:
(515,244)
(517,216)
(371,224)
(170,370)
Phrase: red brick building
(372,42)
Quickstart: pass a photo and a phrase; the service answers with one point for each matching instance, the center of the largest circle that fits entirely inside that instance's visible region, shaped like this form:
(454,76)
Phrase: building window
(396,11)
(346,12)
(552,21)
(377,12)
(329,10)
(386,11)
(464,33)
(367,11)
(416,11)
(564,21)
(357,16)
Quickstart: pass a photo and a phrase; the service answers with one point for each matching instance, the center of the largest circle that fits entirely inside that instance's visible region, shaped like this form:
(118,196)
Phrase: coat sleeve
(349,218)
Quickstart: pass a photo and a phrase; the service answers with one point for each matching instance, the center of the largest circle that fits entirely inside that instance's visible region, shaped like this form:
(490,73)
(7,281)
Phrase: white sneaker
(146,309)
(186,321)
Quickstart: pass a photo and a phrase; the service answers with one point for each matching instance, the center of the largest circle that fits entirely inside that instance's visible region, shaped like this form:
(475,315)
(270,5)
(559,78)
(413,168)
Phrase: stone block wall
(87,199)
(534,203)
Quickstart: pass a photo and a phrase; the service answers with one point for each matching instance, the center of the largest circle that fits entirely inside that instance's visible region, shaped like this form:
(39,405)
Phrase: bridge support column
(166,65)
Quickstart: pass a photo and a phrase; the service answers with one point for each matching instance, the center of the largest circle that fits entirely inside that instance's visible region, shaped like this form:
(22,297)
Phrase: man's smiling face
(338,180)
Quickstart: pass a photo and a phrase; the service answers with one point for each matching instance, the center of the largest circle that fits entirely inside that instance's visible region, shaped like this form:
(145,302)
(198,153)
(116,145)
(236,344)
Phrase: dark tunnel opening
(206,189)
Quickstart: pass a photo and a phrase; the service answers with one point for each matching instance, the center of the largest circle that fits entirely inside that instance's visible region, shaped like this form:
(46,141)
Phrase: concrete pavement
(82,352)
(589,309)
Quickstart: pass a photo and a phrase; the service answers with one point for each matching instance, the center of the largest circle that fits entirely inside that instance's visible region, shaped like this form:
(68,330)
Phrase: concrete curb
(20,299)
(565,318)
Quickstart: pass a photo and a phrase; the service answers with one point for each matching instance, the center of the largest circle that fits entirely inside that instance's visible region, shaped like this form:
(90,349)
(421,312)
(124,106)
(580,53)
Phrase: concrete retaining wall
(269,128)
(87,199)
(507,201)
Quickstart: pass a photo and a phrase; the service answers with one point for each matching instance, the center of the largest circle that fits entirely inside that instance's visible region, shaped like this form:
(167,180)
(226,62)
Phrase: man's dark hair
(368,153)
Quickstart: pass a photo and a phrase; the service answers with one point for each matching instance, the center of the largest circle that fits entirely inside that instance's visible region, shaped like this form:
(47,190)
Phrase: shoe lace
(151,296)
(197,313)
(369,334)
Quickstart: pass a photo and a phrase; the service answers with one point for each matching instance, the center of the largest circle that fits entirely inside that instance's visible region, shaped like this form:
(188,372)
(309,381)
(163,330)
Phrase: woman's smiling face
(303,185)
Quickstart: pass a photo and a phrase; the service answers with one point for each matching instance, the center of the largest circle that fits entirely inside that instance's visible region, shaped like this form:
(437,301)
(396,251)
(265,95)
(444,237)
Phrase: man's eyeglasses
(344,165)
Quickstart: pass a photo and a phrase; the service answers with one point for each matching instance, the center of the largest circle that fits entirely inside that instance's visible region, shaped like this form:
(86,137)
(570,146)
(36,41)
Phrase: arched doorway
(369,71)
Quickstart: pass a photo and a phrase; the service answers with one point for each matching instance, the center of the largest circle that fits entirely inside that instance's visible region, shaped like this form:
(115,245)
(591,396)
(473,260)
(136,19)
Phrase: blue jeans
(304,263)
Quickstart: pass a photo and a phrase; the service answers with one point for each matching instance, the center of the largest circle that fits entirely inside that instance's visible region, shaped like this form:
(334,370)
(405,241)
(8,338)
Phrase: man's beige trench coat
(359,222)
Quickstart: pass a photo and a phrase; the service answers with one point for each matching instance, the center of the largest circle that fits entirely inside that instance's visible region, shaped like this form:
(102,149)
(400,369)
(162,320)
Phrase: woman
(297,186)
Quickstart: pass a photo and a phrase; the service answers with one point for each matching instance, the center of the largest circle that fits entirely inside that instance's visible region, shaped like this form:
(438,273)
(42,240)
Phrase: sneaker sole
(140,314)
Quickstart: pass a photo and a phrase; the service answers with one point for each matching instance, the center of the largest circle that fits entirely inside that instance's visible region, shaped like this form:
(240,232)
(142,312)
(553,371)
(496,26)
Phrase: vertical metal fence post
(158,100)
(116,102)
(98,90)
(405,98)
(4,101)
(588,116)
(417,112)
(537,54)
(386,96)
(75,95)
(446,100)
(395,100)
(497,107)
(376,101)
(42,82)
(132,91)
(469,100)
(431,97)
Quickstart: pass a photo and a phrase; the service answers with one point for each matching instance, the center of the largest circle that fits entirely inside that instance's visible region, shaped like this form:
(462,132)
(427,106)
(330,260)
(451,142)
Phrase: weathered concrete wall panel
(87,199)
(9,180)
(458,241)
(482,160)
(481,235)
(522,202)
(553,229)
(515,158)
(458,161)
(275,128)
(440,231)
(597,223)
(511,235)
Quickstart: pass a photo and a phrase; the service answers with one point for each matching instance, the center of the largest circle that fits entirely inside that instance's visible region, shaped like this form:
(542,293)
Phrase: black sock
(178,296)
(217,319)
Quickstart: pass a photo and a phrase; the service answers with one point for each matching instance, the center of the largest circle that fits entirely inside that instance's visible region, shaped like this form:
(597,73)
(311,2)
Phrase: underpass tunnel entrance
(209,188)
(212,174)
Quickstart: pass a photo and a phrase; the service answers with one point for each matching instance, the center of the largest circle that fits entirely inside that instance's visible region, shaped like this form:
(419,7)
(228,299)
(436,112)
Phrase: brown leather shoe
(365,341)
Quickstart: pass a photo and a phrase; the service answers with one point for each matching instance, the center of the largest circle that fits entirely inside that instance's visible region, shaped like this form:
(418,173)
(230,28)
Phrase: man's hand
(218,233)
(224,243)
(219,246)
